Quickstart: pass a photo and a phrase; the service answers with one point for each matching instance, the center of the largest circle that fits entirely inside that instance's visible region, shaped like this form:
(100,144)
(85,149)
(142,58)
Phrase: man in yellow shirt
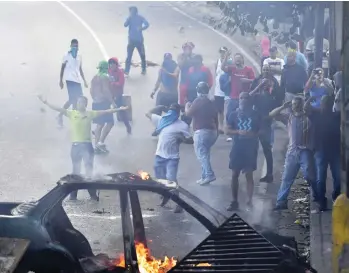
(82,148)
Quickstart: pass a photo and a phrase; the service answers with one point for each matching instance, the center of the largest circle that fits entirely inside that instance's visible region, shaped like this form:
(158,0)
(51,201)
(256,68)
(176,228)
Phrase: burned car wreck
(56,246)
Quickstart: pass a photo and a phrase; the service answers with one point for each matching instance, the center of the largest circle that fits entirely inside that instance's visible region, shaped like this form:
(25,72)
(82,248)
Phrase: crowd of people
(243,107)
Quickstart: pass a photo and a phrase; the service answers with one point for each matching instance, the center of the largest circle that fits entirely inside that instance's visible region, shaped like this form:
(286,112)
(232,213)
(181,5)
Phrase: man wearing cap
(185,61)
(136,25)
(218,93)
(116,83)
(276,64)
(102,100)
(167,82)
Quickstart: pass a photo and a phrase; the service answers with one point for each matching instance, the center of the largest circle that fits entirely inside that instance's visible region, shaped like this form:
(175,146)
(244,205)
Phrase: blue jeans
(322,162)
(233,104)
(298,159)
(166,168)
(203,141)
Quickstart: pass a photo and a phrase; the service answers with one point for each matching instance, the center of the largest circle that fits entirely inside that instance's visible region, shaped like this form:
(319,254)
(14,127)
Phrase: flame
(147,263)
(203,264)
(144,175)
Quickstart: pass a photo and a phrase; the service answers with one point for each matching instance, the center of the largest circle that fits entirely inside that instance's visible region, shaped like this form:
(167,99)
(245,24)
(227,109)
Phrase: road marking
(238,47)
(89,29)
(106,217)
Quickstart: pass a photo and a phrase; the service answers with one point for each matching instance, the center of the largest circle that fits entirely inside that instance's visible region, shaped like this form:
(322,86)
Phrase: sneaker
(178,209)
(144,71)
(249,205)
(267,179)
(129,130)
(206,181)
(101,148)
(199,181)
(60,121)
(164,201)
(229,139)
(279,207)
(233,206)
(94,198)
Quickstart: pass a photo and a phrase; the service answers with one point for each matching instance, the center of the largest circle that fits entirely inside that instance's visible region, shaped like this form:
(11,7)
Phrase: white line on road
(106,217)
(89,29)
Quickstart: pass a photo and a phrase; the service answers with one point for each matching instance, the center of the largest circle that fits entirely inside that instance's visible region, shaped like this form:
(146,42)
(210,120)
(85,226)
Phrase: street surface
(35,153)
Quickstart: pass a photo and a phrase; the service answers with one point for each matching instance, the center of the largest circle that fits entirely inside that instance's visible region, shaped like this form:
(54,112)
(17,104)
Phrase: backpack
(225,83)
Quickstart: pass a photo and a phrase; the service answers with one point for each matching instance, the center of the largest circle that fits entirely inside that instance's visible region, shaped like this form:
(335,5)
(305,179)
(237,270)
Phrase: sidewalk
(321,234)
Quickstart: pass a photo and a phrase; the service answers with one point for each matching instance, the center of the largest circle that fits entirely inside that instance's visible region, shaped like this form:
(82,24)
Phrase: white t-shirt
(219,72)
(168,146)
(276,63)
(311,45)
(72,68)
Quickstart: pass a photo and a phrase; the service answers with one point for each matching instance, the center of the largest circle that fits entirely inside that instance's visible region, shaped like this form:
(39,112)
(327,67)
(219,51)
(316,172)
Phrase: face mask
(74,51)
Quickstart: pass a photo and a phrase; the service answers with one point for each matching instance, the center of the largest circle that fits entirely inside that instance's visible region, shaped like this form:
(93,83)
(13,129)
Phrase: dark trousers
(122,114)
(141,51)
(82,151)
(265,138)
(322,162)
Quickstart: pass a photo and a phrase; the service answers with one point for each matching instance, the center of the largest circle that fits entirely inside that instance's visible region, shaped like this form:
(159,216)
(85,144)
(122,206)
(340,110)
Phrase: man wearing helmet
(184,63)
(205,125)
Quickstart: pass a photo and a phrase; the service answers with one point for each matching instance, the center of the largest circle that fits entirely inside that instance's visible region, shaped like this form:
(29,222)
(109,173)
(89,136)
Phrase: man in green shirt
(82,148)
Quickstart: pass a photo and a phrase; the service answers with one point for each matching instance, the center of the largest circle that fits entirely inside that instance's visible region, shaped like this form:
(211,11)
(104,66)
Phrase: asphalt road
(35,153)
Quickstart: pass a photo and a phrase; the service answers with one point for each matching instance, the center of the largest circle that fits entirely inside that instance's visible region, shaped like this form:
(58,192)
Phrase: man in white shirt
(276,64)
(171,132)
(71,72)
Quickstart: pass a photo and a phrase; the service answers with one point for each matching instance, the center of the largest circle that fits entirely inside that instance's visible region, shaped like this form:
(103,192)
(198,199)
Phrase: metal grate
(233,247)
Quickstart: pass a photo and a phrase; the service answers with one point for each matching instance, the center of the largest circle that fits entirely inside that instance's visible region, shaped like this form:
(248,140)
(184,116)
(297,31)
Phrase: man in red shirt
(197,73)
(241,78)
(117,82)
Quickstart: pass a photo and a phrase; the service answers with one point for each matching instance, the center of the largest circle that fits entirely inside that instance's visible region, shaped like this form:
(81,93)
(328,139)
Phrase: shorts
(219,102)
(243,155)
(74,92)
(166,99)
(107,118)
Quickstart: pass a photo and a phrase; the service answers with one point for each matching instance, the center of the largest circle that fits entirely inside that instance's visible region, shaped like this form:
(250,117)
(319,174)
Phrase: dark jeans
(82,151)
(295,159)
(265,138)
(166,168)
(141,51)
(122,114)
(322,162)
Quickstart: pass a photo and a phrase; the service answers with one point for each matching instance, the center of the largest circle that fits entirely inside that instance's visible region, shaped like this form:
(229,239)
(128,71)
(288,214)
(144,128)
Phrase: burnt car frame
(56,246)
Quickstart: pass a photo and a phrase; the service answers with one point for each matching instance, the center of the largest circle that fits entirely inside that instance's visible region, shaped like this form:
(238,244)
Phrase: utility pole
(319,33)
(345,104)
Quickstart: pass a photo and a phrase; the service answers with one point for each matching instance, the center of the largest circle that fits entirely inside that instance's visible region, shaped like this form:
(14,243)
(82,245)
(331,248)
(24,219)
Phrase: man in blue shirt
(136,24)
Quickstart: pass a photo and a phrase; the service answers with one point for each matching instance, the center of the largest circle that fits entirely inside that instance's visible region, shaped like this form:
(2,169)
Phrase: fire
(147,263)
(144,175)
(203,264)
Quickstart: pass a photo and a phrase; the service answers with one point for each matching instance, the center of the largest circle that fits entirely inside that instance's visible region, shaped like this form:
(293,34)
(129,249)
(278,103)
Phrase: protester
(167,82)
(300,58)
(136,25)
(185,61)
(116,83)
(276,64)
(243,125)
(318,87)
(266,97)
(71,72)
(102,100)
(310,51)
(300,149)
(218,93)
(241,78)
(205,126)
(293,77)
(197,73)
(327,147)
(82,148)
(172,132)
